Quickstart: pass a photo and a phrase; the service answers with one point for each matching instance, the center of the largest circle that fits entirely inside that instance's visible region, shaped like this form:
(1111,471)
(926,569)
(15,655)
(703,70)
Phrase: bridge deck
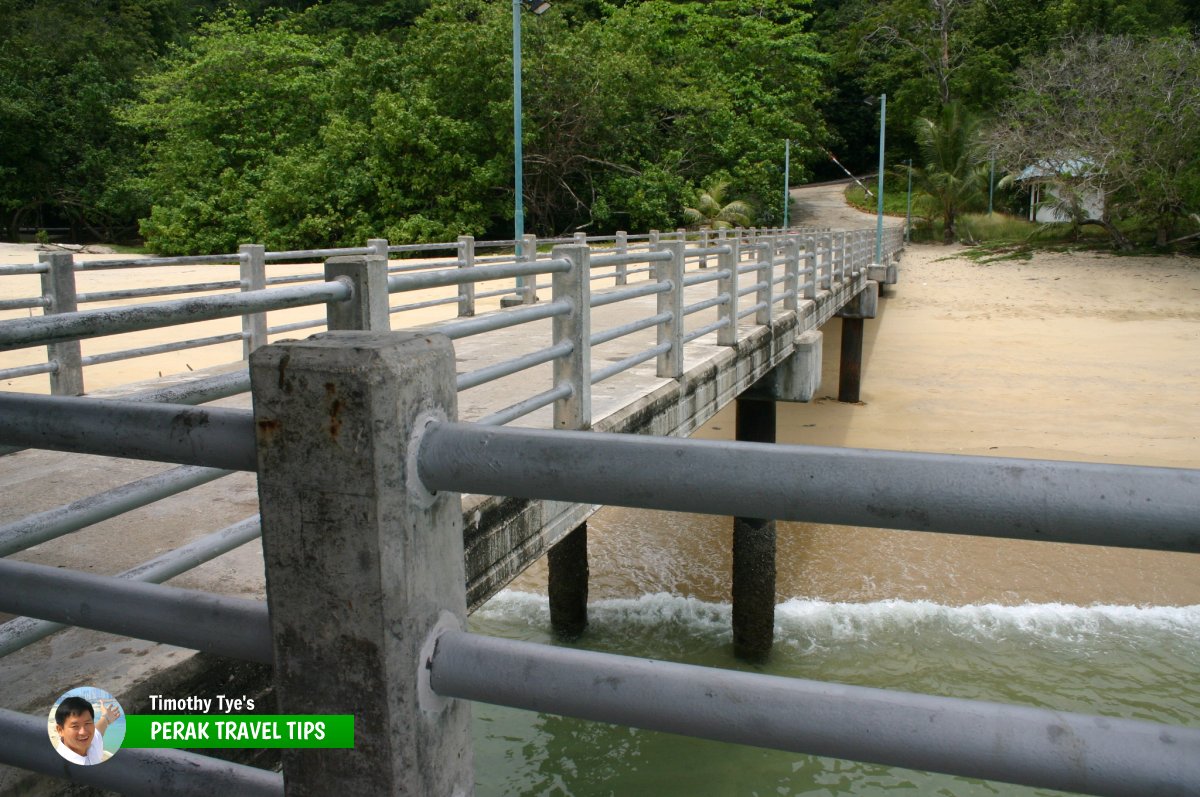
(502,536)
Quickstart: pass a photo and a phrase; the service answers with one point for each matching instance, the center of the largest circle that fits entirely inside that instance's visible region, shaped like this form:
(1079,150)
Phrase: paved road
(823,205)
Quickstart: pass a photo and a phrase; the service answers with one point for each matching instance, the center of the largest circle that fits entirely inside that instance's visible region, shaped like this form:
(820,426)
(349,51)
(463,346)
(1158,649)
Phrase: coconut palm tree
(954,174)
(712,211)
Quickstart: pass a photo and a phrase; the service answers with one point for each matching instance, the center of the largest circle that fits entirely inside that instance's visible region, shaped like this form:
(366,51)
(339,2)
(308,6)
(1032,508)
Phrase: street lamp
(879,198)
(787,165)
(879,215)
(908,207)
(537,7)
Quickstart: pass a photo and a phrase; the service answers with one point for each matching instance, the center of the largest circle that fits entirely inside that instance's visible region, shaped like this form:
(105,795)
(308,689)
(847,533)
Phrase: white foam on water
(804,620)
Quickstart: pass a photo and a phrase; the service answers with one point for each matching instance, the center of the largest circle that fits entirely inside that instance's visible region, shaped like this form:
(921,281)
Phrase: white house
(1051,184)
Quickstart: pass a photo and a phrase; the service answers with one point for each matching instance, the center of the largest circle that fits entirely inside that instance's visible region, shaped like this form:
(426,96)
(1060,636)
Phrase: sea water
(1121,661)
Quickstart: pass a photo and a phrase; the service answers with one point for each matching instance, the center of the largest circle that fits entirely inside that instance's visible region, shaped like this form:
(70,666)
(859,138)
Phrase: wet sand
(1078,356)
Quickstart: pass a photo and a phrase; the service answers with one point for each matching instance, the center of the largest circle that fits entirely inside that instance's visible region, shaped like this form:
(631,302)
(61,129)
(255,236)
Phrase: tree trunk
(949,233)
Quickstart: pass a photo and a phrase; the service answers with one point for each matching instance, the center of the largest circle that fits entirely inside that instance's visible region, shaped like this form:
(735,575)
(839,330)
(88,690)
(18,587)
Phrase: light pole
(537,7)
(787,165)
(879,202)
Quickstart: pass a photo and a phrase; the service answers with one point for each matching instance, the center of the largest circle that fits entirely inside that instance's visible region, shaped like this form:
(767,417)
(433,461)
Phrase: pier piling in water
(862,306)
(754,551)
(568,585)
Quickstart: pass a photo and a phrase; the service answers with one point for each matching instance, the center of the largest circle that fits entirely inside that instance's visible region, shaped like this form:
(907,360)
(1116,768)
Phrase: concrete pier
(568,584)
(754,551)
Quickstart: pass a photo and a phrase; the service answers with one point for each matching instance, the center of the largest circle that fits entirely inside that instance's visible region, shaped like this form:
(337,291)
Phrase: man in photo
(80,734)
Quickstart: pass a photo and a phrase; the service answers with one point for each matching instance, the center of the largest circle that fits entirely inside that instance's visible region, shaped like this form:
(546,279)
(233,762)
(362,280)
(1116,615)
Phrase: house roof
(1051,168)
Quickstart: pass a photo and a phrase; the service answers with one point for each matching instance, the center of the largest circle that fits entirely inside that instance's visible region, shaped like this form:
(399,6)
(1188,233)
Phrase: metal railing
(59,293)
(210,442)
(427,461)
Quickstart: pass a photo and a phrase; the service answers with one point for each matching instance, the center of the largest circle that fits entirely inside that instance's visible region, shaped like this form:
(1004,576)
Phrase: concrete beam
(864,305)
(796,379)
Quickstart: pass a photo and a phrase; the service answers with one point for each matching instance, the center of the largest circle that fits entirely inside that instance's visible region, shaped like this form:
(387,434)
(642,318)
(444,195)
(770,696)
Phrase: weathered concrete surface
(362,564)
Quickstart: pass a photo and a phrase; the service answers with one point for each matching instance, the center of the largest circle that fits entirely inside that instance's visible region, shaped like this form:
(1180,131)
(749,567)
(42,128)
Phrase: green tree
(712,211)
(953,174)
(1129,109)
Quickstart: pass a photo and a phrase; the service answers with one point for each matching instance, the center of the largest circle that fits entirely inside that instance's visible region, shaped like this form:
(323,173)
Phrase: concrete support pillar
(568,585)
(367,308)
(252,263)
(850,367)
(622,248)
(362,563)
(670,362)
(568,559)
(754,552)
(58,286)
(466,291)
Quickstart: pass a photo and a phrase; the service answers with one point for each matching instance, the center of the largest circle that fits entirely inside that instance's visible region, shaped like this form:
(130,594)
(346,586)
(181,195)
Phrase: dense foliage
(199,124)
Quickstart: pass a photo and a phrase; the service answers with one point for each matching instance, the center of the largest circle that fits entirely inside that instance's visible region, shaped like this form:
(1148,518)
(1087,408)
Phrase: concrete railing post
(529,255)
(58,286)
(378,247)
(728,262)
(841,257)
(622,248)
(791,248)
(367,308)
(766,275)
(363,564)
(568,559)
(575,369)
(253,265)
(670,362)
(466,291)
(810,267)
(704,237)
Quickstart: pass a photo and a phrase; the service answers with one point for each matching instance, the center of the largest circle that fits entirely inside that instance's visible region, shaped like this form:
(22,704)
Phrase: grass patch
(895,203)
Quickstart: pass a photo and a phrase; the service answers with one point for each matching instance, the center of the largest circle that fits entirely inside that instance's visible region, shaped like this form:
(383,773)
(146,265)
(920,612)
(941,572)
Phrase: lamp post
(538,7)
(787,165)
(879,202)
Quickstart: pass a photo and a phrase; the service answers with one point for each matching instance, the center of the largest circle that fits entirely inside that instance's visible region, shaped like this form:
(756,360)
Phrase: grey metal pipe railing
(19,371)
(162,348)
(212,437)
(972,738)
(216,624)
(1119,505)
(704,330)
(18,269)
(110,321)
(614,296)
(699,278)
(749,310)
(198,392)
(508,318)
(516,365)
(706,304)
(401,308)
(296,326)
(629,362)
(295,278)
(155,262)
(523,408)
(628,258)
(53,523)
(135,771)
(169,290)
(606,335)
(24,631)
(456,276)
(301,254)
(24,304)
